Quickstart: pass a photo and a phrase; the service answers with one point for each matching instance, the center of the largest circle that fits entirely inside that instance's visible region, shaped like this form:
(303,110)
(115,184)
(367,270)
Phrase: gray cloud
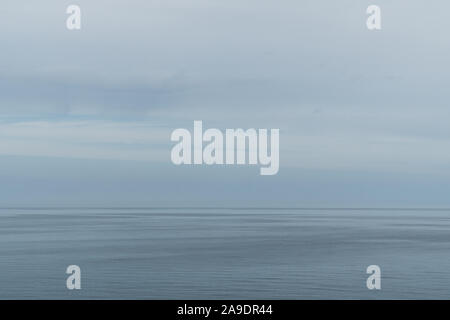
(344,98)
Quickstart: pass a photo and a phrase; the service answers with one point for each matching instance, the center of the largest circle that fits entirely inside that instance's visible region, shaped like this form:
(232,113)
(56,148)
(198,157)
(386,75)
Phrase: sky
(86,115)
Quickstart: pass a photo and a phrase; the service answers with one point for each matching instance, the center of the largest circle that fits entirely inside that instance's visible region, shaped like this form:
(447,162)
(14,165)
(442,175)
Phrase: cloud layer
(344,98)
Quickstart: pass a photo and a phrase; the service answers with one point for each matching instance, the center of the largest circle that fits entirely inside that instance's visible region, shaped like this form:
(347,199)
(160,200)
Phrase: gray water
(201,253)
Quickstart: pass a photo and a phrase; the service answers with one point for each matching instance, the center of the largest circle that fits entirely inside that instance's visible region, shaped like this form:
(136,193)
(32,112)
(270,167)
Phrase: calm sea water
(194,253)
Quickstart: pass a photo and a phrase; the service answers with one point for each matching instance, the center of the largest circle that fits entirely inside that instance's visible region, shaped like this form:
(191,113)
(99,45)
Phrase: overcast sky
(86,116)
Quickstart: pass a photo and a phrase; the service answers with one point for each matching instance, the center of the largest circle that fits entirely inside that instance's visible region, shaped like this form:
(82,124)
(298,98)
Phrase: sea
(224,253)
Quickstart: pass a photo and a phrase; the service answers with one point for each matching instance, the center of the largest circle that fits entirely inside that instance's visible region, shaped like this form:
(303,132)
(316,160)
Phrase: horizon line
(226,208)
